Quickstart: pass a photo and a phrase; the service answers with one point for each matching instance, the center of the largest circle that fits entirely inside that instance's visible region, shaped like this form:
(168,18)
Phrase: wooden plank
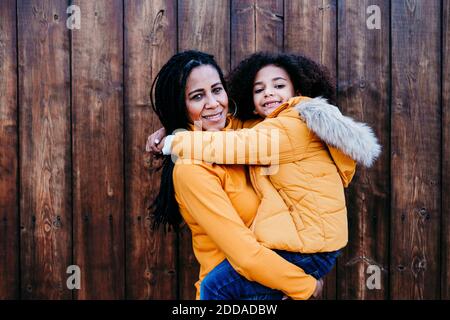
(310,29)
(255,26)
(150,40)
(416,149)
(45,176)
(9,209)
(363,93)
(202,25)
(445,245)
(97,113)
(205,25)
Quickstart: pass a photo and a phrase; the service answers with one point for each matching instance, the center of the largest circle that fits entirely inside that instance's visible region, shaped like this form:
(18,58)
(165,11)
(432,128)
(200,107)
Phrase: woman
(217,202)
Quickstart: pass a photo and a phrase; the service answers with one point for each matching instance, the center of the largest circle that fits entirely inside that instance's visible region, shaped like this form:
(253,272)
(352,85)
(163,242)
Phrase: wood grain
(98,167)
(445,244)
(45,177)
(9,187)
(255,26)
(416,150)
(205,25)
(150,40)
(363,93)
(310,29)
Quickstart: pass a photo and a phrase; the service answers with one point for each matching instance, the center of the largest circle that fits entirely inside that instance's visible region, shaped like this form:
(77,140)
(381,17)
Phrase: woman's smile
(214,117)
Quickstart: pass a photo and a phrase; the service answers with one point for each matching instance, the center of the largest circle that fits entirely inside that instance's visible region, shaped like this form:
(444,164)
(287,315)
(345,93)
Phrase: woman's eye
(197,97)
(217,90)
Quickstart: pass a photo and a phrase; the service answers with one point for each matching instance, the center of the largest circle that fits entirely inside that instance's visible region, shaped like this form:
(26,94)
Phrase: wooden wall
(75,113)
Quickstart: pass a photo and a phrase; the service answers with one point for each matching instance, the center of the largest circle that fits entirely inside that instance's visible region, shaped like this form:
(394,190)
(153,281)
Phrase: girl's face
(272,87)
(206,99)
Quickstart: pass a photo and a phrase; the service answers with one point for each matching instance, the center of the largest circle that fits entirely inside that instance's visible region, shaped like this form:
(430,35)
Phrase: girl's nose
(268,92)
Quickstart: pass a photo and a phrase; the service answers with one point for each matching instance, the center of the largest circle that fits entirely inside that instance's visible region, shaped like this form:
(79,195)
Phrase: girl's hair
(167,98)
(308,77)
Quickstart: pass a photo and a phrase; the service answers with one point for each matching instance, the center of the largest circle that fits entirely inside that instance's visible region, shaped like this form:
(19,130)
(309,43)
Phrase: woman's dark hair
(167,98)
(308,77)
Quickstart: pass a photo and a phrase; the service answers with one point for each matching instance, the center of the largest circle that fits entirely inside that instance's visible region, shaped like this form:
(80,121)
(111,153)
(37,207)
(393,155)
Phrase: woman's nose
(211,102)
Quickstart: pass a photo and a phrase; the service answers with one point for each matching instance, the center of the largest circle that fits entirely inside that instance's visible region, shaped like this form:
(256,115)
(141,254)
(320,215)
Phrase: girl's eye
(280,86)
(258,90)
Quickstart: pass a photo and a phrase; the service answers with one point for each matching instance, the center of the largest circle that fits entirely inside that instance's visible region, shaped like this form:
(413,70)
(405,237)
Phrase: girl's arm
(267,143)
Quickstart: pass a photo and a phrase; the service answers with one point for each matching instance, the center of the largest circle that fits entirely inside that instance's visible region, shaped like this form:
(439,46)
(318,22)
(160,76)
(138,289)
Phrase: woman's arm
(200,194)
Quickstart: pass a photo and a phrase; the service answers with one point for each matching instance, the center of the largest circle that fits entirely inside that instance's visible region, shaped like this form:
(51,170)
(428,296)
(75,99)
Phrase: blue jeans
(224,283)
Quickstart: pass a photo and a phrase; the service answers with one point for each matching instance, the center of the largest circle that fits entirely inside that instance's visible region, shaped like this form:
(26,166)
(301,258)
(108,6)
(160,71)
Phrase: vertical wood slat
(445,244)
(255,26)
(310,29)
(416,148)
(45,184)
(202,25)
(363,91)
(97,86)
(150,40)
(205,25)
(243,30)
(9,192)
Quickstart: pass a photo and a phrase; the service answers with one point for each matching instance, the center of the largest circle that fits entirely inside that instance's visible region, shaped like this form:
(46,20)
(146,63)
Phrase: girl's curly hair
(308,77)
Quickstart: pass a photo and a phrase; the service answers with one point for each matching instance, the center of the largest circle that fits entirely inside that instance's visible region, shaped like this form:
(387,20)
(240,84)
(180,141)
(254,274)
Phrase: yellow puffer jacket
(303,204)
(299,177)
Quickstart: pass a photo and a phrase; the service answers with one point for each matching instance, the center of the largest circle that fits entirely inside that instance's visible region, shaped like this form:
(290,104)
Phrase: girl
(302,206)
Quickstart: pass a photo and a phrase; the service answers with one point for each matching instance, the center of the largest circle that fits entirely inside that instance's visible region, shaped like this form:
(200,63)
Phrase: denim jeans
(224,283)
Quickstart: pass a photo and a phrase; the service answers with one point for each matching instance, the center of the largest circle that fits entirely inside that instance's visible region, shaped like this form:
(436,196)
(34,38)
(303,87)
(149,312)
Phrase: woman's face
(206,99)
(272,87)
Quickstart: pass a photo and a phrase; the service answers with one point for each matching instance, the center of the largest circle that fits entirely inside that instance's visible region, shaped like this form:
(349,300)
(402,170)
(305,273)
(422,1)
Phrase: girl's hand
(154,144)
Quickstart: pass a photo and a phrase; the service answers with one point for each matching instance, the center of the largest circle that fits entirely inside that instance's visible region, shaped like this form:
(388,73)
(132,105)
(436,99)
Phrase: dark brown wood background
(75,180)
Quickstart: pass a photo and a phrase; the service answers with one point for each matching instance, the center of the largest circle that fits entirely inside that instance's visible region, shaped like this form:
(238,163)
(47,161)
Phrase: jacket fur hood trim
(353,138)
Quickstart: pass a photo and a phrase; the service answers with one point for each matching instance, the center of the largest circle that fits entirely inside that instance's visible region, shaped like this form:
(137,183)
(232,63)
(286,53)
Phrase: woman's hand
(316,294)
(319,288)
(154,144)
